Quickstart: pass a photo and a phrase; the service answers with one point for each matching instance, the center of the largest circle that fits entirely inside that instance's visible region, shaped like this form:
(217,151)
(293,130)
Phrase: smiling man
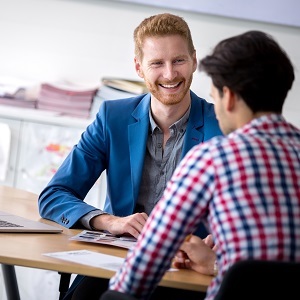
(138,141)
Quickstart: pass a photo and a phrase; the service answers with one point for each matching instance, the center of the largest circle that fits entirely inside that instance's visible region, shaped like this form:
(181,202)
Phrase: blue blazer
(115,142)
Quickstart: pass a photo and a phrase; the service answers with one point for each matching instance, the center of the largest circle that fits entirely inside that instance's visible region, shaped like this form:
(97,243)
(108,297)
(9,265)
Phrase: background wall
(285,12)
(84,40)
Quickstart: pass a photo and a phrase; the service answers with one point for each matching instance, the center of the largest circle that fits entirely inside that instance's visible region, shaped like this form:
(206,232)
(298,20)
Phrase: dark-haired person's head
(254,67)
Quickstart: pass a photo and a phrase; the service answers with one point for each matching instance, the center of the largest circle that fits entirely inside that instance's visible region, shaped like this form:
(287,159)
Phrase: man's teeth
(169,86)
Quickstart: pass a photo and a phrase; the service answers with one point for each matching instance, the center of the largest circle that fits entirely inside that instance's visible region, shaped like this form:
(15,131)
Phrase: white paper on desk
(90,258)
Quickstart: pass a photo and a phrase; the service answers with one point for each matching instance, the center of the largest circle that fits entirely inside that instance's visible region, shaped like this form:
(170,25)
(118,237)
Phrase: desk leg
(10,282)
(64,284)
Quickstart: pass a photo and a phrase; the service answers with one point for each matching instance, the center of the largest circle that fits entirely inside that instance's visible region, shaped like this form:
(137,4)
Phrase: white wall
(84,40)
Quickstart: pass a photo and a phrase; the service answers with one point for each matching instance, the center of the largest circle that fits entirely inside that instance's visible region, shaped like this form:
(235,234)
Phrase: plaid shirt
(246,185)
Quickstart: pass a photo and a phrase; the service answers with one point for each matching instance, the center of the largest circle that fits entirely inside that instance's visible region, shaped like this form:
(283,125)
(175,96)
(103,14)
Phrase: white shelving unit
(40,141)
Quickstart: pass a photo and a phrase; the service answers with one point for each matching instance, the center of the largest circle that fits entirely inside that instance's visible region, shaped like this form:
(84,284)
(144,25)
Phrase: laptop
(13,223)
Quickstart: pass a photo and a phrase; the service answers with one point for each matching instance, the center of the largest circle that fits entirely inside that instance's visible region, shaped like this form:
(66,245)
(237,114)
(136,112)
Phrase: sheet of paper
(90,258)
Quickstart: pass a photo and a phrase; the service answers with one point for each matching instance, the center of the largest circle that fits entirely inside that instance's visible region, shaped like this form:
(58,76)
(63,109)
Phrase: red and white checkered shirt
(246,185)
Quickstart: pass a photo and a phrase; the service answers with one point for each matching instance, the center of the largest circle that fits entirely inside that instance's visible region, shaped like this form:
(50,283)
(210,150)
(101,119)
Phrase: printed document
(90,258)
(104,238)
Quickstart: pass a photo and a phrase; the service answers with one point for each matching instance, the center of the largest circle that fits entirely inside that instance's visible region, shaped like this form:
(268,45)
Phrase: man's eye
(178,61)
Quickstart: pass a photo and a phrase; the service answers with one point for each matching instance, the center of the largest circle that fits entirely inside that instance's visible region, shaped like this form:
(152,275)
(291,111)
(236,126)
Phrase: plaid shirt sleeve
(176,215)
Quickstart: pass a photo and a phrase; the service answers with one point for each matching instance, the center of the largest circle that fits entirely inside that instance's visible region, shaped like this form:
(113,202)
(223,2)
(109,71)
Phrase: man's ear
(138,68)
(229,99)
(195,62)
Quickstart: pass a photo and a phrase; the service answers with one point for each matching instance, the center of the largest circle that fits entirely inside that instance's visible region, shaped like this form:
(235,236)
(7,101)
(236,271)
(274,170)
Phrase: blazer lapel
(194,131)
(137,140)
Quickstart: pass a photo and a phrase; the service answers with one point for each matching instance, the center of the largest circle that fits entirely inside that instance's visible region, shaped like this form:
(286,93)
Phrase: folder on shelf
(127,85)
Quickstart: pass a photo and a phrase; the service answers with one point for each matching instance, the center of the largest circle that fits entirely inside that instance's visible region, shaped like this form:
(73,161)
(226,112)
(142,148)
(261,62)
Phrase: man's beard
(169,99)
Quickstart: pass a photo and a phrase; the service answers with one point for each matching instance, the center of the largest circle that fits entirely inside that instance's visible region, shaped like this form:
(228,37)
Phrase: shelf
(41,116)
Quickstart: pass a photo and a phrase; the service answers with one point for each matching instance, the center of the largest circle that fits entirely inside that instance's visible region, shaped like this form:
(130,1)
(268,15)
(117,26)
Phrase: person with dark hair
(137,141)
(246,184)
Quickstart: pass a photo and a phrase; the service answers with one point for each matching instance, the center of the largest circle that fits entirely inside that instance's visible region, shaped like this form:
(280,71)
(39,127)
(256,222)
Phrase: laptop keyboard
(8,224)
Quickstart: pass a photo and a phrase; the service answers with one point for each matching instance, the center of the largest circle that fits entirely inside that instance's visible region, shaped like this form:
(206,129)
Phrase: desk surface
(26,249)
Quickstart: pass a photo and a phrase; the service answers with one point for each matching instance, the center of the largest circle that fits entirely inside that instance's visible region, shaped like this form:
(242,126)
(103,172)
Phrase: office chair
(261,280)
(159,294)
(114,295)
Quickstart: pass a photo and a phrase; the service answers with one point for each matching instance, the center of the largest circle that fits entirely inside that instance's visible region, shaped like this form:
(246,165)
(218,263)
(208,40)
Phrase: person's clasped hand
(197,254)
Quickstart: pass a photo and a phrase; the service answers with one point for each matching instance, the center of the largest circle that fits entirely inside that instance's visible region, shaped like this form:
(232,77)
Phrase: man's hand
(132,224)
(197,254)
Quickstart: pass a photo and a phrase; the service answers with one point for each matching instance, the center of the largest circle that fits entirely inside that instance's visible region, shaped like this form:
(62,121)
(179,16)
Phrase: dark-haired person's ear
(229,99)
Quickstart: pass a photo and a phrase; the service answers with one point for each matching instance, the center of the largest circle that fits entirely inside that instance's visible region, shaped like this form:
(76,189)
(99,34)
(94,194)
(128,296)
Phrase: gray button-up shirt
(160,163)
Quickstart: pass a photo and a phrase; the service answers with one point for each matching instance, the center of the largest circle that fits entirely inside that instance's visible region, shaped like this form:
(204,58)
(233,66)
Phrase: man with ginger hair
(137,141)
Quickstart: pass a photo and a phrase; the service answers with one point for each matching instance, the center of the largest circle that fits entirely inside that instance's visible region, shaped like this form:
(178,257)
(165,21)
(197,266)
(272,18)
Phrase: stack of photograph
(18,92)
(69,100)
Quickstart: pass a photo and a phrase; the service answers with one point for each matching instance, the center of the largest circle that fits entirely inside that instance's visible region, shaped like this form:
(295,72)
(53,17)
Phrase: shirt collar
(180,124)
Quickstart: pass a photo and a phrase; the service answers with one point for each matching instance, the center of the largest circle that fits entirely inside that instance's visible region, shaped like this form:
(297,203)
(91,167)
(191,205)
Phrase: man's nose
(170,72)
